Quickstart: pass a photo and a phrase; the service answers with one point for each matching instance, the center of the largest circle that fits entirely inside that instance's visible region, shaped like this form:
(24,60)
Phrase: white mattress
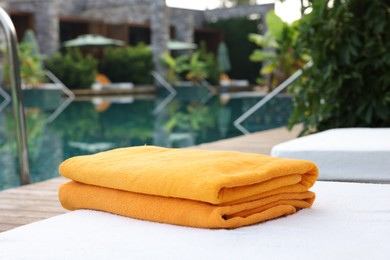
(347,221)
(351,154)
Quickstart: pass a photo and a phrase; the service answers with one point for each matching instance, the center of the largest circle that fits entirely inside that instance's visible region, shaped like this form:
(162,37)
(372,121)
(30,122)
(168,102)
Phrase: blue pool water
(97,124)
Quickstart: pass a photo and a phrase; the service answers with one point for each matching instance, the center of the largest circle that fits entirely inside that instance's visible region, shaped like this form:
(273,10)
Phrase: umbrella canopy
(92,40)
(223,58)
(177,45)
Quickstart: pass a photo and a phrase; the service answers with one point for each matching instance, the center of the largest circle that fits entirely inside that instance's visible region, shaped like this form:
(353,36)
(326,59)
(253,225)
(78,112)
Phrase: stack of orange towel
(206,189)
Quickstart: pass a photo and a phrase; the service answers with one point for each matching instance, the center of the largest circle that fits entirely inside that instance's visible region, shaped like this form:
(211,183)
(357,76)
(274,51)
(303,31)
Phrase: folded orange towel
(74,195)
(197,188)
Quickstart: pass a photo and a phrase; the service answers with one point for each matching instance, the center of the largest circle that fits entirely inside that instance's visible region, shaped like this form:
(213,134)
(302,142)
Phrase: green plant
(211,64)
(31,70)
(175,66)
(280,53)
(197,70)
(74,70)
(193,67)
(349,82)
(129,64)
(31,60)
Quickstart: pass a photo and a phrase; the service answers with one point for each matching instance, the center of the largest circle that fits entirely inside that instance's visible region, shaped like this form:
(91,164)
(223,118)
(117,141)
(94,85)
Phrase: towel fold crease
(206,189)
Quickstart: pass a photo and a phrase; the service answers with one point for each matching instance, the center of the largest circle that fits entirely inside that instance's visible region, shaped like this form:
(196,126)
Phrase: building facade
(133,21)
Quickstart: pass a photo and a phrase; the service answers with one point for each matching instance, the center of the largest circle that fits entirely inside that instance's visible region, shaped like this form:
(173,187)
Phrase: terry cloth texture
(209,189)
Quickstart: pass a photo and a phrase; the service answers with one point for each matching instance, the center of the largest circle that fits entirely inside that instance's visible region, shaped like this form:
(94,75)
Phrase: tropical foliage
(194,67)
(191,66)
(31,70)
(279,53)
(31,61)
(349,82)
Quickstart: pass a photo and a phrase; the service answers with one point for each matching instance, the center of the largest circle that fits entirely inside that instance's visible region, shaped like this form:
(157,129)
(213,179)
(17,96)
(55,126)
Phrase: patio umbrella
(178,45)
(223,57)
(87,40)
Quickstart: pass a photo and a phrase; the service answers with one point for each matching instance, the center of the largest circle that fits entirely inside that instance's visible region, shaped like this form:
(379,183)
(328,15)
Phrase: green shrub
(211,64)
(197,66)
(129,64)
(74,70)
(349,82)
(30,60)
(31,70)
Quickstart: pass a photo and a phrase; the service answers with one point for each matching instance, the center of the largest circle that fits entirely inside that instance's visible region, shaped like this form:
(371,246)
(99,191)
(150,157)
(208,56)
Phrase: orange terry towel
(211,189)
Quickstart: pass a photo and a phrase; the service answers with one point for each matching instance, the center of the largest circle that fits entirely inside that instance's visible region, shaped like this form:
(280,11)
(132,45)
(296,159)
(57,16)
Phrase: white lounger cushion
(347,221)
(352,154)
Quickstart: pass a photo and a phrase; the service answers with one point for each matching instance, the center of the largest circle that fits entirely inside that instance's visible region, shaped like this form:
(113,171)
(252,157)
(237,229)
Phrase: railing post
(17,97)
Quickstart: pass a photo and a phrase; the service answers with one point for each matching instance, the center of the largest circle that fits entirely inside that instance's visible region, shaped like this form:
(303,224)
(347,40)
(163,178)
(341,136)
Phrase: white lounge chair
(346,154)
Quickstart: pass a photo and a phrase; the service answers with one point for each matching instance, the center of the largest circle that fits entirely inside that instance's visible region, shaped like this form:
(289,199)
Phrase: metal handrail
(6,101)
(17,97)
(171,90)
(211,89)
(67,91)
(268,97)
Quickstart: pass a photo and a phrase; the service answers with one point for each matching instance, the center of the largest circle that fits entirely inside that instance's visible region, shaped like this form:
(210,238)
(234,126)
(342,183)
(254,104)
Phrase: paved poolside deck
(34,202)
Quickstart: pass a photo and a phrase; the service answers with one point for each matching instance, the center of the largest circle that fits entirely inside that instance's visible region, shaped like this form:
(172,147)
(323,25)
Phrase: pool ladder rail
(17,97)
(268,97)
(173,93)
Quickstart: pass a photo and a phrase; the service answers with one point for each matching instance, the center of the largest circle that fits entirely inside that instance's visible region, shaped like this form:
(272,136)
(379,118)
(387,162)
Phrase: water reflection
(97,124)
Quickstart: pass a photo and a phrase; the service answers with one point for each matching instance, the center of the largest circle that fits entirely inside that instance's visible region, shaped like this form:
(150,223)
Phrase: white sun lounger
(347,221)
(349,154)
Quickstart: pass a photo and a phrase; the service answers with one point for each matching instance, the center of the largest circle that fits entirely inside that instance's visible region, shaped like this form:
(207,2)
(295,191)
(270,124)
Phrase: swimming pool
(96,124)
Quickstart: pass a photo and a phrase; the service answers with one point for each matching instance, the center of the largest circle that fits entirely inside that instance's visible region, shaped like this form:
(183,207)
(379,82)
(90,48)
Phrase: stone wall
(118,15)
(71,7)
(46,21)
(185,21)
(159,25)
(101,4)
(133,11)
(118,11)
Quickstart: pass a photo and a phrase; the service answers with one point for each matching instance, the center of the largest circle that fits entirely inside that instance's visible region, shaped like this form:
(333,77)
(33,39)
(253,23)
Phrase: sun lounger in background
(346,154)
(102,82)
